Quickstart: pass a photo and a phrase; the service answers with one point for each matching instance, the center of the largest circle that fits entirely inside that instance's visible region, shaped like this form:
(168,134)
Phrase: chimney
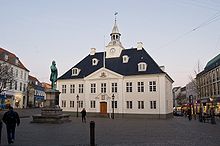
(162,68)
(139,45)
(93,51)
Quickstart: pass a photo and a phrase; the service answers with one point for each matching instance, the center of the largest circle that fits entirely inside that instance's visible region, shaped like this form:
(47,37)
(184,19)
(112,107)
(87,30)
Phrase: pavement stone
(177,131)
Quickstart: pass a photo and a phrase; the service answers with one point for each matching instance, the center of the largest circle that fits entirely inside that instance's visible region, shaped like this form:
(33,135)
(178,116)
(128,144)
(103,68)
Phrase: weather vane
(116,13)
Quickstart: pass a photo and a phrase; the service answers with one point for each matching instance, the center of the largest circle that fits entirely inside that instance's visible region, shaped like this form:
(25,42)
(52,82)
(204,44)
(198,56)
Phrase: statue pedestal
(51,112)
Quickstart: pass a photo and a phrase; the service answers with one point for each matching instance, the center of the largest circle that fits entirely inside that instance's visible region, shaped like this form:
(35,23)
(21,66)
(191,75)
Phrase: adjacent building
(36,93)
(15,95)
(117,82)
(209,85)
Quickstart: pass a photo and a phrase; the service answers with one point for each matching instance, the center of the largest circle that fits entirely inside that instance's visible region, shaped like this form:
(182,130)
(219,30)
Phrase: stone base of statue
(51,112)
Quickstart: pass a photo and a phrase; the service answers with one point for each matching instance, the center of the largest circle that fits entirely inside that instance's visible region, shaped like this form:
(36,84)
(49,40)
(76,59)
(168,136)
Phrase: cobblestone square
(177,131)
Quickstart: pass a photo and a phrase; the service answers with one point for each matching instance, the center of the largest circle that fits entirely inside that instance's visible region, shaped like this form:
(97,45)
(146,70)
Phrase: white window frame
(63,89)
(63,103)
(152,86)
(140,104)
(95,61)
(93,87)
(125,59)
(140,86)
(75,71)
(81,88)
(92,104)
(72,88)
(72,103)
(153,104)
(142,66)
(80,104)
(103,87)
(128,86)
(129,104)
(114,87)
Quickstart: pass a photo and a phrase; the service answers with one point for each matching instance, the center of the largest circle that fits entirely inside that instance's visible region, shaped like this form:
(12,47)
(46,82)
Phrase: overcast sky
(176,33)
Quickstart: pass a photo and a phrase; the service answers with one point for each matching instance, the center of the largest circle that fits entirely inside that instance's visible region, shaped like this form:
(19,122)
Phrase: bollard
(92,133)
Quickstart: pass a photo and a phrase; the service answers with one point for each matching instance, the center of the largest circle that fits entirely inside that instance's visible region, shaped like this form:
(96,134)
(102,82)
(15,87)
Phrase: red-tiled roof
(11,59)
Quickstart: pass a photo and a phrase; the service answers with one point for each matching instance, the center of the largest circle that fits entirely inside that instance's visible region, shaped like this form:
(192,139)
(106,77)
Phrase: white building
(16,95)
(129,78)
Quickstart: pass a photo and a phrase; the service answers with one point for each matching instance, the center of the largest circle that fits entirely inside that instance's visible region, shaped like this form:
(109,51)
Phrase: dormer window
(125,59)
(142,66)
(6,57)
(75,71)
(16,61)
(95,61)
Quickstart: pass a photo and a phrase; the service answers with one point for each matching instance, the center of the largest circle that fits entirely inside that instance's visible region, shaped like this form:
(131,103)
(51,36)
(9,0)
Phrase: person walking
(83,112)
(0,128)
(11,119)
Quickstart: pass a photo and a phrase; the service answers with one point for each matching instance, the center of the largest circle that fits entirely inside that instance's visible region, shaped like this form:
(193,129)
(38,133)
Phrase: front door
(103,107)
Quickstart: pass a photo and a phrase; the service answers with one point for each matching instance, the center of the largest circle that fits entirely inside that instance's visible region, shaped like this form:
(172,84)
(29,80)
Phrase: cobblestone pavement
(126,132)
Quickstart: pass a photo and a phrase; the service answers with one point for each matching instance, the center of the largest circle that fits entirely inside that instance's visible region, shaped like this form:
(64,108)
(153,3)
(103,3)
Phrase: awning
(37,97)
(2,96)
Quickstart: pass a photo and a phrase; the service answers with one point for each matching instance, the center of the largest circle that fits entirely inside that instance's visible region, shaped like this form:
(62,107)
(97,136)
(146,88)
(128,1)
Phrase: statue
(53,75)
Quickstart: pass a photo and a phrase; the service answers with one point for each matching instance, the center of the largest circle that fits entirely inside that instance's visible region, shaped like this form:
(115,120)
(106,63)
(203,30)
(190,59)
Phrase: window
(95,61)
(103,87)
(63,103)
(128,86)
(20,86)
(140,104)
(24,89)
(16,73)
(71,103)
(72,88)
(81,104)
(25,76)
(140,86)
(114,88)
(21,74)
(129,104)
(16,85)
(114,105)
(6,57)
(153,105)
(152,86)
(125,59)
(75,71)
(63,88)
(93,88)
(142,66)
(92,105)
(80,88)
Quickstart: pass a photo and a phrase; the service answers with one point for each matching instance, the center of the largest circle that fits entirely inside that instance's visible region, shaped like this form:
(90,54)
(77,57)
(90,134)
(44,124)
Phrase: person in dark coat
(11,119)
(83,112)
(0,128)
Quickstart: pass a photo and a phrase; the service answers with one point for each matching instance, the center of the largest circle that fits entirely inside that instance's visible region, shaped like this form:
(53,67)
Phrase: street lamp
(113,106)
(77,105)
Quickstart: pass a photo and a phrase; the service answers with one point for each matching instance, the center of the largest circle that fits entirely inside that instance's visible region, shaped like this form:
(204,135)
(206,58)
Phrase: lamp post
(77,105)
(113,106)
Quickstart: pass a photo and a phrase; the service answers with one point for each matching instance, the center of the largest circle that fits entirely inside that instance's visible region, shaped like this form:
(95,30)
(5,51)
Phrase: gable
(103,73)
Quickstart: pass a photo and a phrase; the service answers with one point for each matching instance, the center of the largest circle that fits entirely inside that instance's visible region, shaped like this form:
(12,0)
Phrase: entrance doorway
(103,107)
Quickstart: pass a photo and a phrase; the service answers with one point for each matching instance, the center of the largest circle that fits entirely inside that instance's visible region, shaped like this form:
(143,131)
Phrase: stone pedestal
(51,112)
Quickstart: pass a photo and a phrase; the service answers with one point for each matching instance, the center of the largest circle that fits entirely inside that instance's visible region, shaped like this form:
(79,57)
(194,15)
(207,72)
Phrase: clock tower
(114,47)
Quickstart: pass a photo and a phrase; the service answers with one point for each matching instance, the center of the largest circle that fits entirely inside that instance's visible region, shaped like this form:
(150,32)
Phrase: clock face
(112,50)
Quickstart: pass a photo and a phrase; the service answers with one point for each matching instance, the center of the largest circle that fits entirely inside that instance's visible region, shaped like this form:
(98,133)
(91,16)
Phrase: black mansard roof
(116,64)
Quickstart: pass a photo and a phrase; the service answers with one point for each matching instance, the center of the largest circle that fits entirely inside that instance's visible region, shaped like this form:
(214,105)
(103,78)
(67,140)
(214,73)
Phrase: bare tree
(7,79)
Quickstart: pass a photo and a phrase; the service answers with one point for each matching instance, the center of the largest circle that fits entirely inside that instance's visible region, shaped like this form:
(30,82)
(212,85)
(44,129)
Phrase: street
(177,131)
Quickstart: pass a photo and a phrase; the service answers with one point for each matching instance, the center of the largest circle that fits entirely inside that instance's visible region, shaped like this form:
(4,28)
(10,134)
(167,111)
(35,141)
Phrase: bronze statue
(53,75)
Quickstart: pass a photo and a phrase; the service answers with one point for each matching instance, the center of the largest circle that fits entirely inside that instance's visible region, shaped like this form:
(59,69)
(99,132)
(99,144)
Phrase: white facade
(16,95)
(136,84)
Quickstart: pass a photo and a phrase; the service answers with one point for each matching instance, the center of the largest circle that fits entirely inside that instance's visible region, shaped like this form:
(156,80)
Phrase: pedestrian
(189,114)
(0,128)
(212,114)
(83,112)
(11,119)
